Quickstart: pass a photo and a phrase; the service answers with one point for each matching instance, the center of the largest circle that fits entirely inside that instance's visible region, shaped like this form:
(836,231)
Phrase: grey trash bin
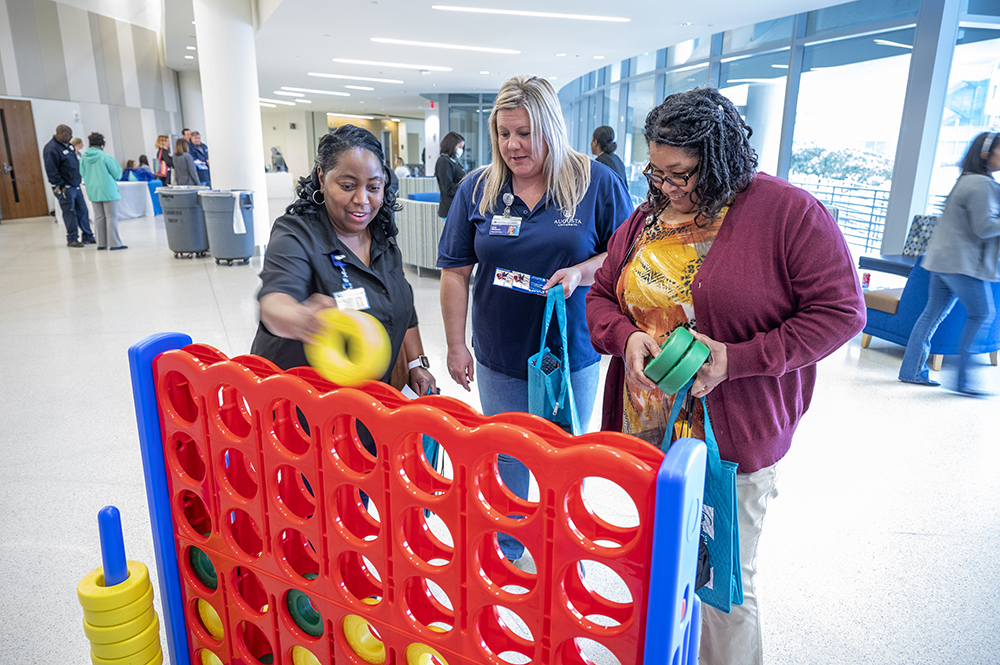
(182,216)
(230,236)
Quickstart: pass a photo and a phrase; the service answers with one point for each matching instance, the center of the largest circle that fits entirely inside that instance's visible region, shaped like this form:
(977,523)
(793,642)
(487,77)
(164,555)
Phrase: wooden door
(22,182)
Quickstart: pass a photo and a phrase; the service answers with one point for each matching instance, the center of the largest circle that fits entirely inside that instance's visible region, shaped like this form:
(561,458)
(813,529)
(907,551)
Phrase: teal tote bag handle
(556,301)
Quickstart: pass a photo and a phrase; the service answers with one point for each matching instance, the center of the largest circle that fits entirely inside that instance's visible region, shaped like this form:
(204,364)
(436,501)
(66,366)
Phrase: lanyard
(338,262)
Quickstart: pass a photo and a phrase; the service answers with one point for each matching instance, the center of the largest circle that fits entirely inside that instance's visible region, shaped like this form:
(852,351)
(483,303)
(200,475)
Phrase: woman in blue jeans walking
(962,258)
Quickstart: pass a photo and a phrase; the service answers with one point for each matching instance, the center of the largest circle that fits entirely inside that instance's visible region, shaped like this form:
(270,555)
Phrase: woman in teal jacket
(100,174)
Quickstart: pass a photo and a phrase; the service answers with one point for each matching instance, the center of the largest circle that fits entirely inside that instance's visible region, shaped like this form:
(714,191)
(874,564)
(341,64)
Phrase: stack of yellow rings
(120,621)
(352,348)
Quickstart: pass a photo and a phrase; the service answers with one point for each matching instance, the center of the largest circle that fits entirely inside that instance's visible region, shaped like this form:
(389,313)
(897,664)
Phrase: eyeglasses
(675,180)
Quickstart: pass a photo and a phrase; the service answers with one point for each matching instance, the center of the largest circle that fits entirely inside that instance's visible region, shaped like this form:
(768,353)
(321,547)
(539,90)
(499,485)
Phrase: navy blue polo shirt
(507,324)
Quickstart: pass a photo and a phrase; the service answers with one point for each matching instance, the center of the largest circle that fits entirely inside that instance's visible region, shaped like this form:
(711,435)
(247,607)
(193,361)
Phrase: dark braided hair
(331,147)
(705,123)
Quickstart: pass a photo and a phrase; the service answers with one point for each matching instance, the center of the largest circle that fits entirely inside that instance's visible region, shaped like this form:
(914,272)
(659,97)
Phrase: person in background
(339,236)
(199,153)
(277,161)
(100,172)
(186,135)
(63,170)
(134,172)
(163,160)
(760,270)
(962,257)
(393,185)
(130,163)
(185,173)
(448,171)
(144,163)
(567,209)
(401,169)
(77,144)
(603,145)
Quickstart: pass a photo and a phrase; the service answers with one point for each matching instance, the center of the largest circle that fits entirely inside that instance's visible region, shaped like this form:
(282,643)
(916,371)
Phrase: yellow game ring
(122,614)
(423,654)
(210,619)
(122,631)
(361,638)
(137,644)
(209,658)
(352,348)
(96,597)
(302,656)
(155,658)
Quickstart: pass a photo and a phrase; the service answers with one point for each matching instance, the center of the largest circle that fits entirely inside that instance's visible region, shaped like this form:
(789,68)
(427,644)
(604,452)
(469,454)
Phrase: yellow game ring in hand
(352,348)
(361,637)
(120,632)
(96,597)
(122,614)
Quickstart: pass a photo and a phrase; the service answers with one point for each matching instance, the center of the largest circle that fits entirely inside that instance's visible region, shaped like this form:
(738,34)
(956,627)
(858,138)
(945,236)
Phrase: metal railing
(862,211)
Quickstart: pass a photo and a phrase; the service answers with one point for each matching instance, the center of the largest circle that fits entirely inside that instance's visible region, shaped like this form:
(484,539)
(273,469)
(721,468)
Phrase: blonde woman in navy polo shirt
(568,207)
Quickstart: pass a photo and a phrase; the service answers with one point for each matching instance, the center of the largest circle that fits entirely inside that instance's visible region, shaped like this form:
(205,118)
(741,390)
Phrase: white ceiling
(302,36)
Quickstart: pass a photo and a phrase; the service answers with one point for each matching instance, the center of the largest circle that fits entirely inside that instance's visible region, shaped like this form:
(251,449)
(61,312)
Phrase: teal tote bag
(719,520)
(550,392)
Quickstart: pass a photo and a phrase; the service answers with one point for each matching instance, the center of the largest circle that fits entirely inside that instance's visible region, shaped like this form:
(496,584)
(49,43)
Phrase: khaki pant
(735,638)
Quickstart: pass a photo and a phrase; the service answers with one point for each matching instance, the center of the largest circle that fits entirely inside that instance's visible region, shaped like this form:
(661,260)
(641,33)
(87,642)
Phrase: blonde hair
(566,171)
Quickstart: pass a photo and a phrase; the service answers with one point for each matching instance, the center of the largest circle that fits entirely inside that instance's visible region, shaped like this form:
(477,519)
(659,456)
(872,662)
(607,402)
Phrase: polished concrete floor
(882,547)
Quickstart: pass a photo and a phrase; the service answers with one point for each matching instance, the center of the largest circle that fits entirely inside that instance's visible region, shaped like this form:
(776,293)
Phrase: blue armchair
(892,313)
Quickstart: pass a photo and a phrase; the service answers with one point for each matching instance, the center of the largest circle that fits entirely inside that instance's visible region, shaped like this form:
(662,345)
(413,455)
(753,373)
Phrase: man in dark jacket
(63,170)
(199,153)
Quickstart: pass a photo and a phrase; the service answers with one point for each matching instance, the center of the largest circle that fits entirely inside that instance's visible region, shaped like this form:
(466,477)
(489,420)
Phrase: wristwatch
(419,361)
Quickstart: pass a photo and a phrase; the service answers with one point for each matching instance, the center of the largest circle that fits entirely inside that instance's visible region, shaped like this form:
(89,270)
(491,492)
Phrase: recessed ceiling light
(456,47)
(484,72)
(780,66)
(560,55)
(358,87)
(277,101)
(303,101)
(686,23)
(192,48)
(402,65)
(552,78)
(348,115)
(598,57)
(270,106)
(189,57)
(514,12)
(394,119)
(284,93)
(353,78)
(336,93)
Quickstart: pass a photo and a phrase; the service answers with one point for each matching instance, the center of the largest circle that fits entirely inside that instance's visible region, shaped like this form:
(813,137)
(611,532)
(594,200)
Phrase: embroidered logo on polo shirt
(568,221)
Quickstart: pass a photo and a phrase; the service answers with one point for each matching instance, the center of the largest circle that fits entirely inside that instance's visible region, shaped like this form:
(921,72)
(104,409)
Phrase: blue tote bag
(550,392)
(719,520)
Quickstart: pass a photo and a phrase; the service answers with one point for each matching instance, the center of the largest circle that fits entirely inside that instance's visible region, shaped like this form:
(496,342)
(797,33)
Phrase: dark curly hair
(705,123)
(331,147)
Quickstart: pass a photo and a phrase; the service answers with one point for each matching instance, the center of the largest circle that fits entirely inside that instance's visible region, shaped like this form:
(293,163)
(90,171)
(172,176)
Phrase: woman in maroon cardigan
(776,293)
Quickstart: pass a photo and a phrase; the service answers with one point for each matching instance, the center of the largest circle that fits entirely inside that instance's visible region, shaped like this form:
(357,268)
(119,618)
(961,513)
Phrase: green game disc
(303,613)
(685,369)
(203,568)
(671,351)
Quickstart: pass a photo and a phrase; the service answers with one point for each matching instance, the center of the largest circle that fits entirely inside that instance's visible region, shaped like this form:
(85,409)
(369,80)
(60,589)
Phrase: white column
(192,104)
(228,63)
(432,139)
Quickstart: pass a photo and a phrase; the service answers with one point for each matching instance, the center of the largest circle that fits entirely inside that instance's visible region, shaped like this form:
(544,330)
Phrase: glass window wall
(635,153)
(972,105)
(758,35)
(756,85)
(859,14)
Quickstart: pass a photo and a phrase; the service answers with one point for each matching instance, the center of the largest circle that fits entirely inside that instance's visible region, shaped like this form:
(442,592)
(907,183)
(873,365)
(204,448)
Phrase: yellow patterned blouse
(654,289)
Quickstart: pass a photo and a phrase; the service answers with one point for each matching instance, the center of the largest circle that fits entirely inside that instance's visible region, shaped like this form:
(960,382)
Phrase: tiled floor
(880,549)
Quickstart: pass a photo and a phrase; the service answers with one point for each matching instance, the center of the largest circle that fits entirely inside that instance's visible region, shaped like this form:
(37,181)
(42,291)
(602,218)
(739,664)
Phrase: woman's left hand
(569,278)
(714,371)
(422,381)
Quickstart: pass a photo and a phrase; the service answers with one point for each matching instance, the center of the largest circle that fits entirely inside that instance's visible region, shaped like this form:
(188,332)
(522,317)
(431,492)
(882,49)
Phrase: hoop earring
(313,197)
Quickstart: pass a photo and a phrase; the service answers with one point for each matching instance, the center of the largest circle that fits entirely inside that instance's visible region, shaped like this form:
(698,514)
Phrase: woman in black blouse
(603,145)
(448,171)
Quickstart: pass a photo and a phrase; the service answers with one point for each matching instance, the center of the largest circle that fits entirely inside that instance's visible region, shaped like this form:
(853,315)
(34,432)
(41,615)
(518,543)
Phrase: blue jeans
(74,210)
(499,393)
(943,290)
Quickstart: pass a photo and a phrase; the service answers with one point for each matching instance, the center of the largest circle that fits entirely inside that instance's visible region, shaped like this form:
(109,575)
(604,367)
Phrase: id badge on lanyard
(350,297)
(505,225)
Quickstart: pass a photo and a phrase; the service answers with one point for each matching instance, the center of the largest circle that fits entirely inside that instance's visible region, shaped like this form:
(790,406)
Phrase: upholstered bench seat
(883,300)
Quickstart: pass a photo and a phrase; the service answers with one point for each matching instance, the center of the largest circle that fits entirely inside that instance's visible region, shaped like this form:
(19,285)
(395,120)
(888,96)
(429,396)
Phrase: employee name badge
(519,281)
(349,297)
(352,299)
(505,225)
